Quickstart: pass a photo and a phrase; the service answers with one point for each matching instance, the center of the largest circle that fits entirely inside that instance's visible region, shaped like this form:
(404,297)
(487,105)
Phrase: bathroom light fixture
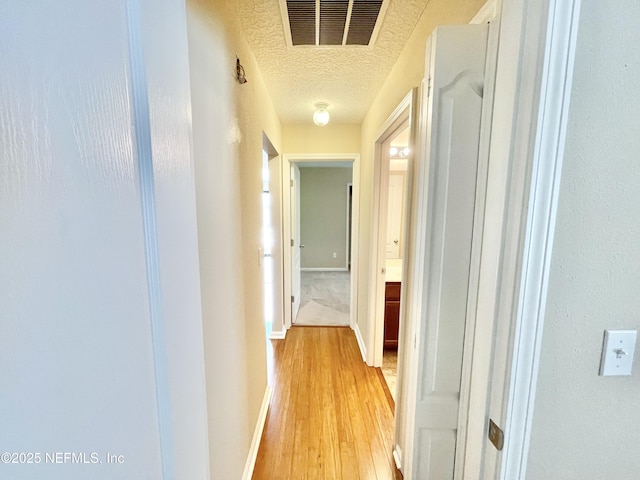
(321,115)
(240,75)
(399,152)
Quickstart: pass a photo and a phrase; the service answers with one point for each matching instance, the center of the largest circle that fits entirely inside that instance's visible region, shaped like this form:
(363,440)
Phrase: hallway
(329,415)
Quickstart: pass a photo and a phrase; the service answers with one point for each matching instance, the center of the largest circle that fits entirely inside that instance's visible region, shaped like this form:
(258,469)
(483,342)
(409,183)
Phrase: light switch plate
(617,352)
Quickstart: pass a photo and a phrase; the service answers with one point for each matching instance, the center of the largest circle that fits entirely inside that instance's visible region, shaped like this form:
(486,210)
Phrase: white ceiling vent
(332,22)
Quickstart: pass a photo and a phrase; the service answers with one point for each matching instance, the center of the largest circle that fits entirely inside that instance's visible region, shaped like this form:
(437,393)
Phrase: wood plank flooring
(329,416)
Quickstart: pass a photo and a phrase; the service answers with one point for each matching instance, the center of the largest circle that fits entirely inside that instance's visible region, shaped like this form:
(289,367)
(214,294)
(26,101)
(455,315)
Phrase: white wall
(323,216)
(101,346)
(229,121)
(586,426)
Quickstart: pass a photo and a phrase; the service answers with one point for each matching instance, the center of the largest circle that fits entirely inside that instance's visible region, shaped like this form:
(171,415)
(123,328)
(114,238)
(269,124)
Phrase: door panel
(395,215)
(456,70)
(440,449)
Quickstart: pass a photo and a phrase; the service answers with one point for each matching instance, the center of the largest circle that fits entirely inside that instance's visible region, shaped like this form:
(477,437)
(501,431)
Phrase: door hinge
(293,299)
(291,183)
(292,242)
(496,435)
(429,87)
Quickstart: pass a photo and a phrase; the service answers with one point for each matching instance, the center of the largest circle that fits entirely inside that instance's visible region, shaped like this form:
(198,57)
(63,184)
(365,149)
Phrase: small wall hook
(240,75)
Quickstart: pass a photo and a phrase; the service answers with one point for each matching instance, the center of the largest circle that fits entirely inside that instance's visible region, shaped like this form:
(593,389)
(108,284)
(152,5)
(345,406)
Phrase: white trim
(545,184)
(287,160)
(465,441)
(322,269)
(486,13)
(406,382)
(257,435)
(399,119)
(348,224)
(397,457)
(363,348)
(414,304)
(278,335)
(139,98)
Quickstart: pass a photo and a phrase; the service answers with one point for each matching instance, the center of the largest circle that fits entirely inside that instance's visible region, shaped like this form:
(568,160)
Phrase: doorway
(394,226)
(293,165)
(323,221)
(271,248)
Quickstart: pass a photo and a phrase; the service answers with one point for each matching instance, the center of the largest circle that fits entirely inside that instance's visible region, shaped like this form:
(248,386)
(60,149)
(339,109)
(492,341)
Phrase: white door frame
(348,229)
(288,160)
(399,119)
(276,197)
(542,37)
(406,113)
(532,90)
(534,73)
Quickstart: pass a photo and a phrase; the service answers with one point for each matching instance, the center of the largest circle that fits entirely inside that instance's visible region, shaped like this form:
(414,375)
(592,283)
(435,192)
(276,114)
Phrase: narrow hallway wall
(595,268)
(228,124)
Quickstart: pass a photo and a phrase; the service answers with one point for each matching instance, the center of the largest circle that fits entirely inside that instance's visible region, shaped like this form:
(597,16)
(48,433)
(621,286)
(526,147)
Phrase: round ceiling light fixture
(321,115)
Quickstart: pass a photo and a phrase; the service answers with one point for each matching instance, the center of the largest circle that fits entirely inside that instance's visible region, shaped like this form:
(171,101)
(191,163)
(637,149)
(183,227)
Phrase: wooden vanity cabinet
(391,314)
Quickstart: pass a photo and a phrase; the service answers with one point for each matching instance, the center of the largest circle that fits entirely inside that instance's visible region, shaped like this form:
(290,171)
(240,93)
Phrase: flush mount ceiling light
(321,115)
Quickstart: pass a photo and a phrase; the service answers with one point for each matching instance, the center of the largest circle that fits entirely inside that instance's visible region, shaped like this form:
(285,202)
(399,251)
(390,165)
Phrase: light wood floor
(329,416)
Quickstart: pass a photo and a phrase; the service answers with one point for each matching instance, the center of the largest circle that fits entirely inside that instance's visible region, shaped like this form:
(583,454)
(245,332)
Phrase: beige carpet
(312,313)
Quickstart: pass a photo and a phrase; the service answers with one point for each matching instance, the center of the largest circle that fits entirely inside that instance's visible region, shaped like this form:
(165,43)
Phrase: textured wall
(332,138)
(228,124)
(323,216)
(585,426)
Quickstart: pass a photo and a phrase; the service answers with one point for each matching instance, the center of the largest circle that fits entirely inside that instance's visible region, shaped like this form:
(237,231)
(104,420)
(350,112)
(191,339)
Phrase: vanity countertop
(394,270)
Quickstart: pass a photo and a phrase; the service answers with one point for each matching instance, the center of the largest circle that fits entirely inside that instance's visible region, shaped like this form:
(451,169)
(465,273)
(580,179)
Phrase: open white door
(296,246)
(453,102)
(395,215)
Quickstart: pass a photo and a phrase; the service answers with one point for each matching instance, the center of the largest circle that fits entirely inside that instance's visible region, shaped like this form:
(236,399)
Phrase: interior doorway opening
(271,248)
(291,168)
(394,225)
(321,213)
(267,246)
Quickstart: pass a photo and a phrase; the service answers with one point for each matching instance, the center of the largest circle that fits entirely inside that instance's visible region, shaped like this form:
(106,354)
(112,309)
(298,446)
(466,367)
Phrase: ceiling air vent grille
(332,22)
(333,19)
(363,20)
(302,19)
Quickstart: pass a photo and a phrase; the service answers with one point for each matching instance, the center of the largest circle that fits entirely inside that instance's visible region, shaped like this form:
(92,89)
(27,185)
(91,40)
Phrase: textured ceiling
(347,77)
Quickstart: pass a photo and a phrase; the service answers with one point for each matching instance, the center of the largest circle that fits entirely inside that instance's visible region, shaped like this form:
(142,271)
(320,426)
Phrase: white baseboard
(363,349)
(278,335)
(334,269)
(257,436)
(397,457)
